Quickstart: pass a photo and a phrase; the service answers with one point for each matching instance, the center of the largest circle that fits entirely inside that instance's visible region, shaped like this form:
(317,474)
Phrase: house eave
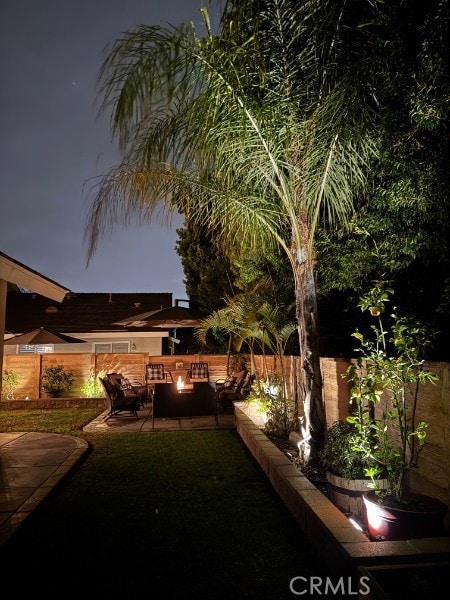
(119,334)
(15,272)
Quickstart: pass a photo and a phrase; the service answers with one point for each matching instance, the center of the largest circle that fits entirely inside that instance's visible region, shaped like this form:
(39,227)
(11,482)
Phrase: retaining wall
(342,547)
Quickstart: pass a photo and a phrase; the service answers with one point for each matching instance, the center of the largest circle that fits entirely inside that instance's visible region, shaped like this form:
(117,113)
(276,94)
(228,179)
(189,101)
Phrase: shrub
(91,388)
(339,456)
(10,381)
(56,380)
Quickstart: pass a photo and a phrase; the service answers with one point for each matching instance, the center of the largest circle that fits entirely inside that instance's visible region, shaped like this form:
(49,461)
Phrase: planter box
(53,403)
(347,494)
(404,582)
(342,547)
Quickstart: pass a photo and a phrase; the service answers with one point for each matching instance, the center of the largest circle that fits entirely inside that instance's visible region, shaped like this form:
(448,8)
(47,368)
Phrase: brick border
(343,547)
(53,403)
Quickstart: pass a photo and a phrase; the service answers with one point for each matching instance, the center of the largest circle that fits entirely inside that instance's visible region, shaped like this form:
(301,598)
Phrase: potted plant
(385,384)
(345,468)
(56,381)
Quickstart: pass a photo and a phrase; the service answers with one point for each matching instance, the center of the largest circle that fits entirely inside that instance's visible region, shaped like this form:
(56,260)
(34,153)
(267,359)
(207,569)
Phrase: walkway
(31,465)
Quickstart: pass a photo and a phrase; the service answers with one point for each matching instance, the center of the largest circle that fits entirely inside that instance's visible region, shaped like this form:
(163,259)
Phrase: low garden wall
(53,403)
(343,548)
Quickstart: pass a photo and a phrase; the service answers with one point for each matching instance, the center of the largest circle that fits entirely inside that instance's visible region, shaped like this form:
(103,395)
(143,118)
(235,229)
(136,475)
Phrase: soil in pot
(419,516)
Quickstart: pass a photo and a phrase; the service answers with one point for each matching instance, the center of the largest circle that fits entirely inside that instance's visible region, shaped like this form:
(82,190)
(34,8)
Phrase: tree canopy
(400,229)
(278,127)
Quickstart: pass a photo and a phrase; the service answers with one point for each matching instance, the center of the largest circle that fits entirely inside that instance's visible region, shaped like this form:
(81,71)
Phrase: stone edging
(342,546)
(53,403)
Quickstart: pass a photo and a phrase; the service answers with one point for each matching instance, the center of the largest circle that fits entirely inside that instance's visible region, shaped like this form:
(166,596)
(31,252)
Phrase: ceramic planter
(388,523)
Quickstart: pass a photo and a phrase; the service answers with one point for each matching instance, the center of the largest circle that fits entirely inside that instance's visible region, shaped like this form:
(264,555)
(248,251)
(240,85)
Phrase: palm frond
(265,131)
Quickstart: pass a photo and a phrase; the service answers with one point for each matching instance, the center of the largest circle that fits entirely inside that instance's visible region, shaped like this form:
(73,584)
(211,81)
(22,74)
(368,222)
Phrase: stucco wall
(137,344)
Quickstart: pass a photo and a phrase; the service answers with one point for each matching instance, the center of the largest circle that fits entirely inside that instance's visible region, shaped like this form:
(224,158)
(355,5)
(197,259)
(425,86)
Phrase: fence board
(27,367)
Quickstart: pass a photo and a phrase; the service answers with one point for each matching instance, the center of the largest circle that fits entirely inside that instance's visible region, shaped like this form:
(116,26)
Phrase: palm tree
(257,133)
(241,320)
(275,334)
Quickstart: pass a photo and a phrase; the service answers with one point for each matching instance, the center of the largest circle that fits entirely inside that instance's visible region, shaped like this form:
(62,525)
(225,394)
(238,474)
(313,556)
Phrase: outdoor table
(200,399)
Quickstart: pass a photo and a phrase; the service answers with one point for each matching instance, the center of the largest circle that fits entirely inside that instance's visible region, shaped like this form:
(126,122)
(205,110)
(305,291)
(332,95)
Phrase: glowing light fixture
(355,523)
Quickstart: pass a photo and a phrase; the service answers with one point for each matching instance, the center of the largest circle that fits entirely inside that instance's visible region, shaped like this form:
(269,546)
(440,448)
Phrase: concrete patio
(125,423)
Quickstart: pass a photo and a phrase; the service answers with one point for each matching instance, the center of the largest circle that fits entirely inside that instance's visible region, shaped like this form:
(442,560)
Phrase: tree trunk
(230,346)
(314,425)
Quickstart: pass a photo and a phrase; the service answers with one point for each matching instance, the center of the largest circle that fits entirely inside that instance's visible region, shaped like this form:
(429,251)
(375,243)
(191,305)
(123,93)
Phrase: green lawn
(184,514)
(55,421)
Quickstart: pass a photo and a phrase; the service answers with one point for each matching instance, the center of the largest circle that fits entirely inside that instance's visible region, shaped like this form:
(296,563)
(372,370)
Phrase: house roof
(79,312)
(17,274)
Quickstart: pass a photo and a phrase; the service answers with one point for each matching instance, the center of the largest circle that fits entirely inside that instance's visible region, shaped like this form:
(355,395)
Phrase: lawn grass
(61,420)
(180,514)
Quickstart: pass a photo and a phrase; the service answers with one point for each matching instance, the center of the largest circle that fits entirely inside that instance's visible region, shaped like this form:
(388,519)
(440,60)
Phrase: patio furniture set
(197,396)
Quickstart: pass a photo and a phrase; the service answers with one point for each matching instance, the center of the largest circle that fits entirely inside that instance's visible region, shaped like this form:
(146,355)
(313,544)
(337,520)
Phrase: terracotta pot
(389,523)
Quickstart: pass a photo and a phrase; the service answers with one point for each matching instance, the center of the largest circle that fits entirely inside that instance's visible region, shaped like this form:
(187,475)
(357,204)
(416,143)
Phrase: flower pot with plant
(346,468)
(385,384)
(56,381)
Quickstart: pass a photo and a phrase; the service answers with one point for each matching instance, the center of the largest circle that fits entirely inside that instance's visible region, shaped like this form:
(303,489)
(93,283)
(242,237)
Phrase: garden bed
(342,546)
(318,478)
(314,474)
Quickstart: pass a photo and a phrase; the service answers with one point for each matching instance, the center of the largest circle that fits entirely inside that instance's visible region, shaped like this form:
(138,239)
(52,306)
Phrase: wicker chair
(238,390)
(156,373)
(119,401)
(126,384)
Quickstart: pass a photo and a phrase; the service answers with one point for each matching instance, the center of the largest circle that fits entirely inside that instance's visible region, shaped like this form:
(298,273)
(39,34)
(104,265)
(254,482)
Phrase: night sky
(53,143)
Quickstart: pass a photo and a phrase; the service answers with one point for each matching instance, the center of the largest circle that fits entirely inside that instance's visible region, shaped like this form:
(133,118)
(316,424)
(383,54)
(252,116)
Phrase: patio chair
(119,400)
(126,384)
(198,372)
(226,383)
(236,391)
(232,381)
(156,373)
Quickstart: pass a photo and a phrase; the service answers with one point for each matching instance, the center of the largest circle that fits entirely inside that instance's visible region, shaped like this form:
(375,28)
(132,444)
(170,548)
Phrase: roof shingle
(79,312)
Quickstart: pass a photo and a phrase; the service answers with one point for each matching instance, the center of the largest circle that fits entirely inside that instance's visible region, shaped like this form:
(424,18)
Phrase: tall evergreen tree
(401,226)
(209,274)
